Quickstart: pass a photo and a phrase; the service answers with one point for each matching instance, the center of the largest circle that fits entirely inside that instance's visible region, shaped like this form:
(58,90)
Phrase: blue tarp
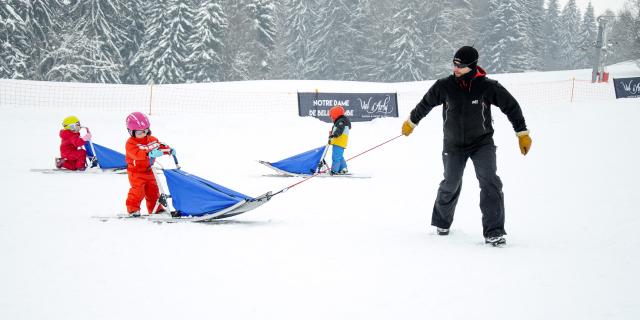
(194,196)
(107,158)
(304,163)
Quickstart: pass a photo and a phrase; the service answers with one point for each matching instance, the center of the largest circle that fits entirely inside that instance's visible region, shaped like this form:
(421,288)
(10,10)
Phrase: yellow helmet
(69,123)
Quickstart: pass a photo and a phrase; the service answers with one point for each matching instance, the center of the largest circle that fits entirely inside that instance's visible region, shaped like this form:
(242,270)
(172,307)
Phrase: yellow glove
(407,127)
(525,142)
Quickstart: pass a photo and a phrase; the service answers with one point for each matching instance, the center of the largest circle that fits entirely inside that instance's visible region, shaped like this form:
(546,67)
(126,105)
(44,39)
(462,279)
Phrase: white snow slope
(331,248)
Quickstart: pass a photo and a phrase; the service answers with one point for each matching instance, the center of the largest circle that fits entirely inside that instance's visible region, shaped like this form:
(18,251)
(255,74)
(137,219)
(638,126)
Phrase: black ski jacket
(466,109)
(339,125)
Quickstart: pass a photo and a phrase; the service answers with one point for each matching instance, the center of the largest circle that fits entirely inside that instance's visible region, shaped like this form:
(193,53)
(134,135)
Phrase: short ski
(119,216)
(87,171)
(284,174)
(159,217)
(238,208)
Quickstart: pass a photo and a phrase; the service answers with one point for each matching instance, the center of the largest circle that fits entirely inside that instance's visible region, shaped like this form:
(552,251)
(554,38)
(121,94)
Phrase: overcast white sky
(599,6)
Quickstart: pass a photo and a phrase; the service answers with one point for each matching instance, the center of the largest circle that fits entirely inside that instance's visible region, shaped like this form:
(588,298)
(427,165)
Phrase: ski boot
(442,231)
(134,214)
(93,162)
(498,241)
(60,162)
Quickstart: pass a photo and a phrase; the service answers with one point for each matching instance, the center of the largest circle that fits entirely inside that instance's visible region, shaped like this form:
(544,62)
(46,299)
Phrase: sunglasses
(145,131)
(74,126)
(460,65)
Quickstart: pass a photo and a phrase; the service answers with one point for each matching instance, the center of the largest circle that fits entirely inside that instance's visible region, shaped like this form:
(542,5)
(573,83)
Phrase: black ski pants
(491,196)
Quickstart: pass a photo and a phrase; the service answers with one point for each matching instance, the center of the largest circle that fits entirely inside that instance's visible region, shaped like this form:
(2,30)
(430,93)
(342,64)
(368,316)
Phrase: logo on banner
(376,106)
(627,87)
(630,87)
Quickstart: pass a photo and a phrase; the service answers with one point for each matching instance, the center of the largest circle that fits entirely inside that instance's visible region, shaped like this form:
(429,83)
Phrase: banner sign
(627,87)
(358,106)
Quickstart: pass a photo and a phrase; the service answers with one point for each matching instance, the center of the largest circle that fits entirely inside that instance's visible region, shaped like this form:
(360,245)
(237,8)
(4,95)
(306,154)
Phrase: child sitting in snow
(338,137)
(142,149)
(72,154)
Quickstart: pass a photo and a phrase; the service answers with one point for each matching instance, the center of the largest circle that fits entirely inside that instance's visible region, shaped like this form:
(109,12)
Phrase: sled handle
(93,149)
(175,160)
(324,154)
(167,151)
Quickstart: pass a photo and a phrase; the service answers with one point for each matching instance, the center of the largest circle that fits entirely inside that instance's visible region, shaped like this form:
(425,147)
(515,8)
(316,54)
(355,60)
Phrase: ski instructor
(466,97)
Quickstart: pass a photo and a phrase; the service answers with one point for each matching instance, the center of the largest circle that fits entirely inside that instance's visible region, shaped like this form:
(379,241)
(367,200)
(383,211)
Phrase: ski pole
(321,172)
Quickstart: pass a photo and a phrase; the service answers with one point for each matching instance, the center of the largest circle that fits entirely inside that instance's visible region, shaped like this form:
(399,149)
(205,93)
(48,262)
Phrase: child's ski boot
(60,162)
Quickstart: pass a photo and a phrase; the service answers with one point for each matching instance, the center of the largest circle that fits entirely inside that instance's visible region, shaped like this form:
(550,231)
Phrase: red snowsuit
(143,183)
(71,150)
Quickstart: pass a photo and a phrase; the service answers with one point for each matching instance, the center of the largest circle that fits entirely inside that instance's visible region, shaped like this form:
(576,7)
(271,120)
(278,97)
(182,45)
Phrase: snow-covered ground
(330,248)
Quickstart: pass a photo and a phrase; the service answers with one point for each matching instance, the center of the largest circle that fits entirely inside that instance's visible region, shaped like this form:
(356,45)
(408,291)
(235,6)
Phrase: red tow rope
(321,172)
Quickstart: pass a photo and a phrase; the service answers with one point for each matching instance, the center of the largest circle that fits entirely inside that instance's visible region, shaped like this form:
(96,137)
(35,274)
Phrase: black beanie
(467,55)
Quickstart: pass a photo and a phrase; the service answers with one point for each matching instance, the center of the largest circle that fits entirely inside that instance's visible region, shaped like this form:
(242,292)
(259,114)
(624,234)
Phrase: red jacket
(71,142)
(137,153)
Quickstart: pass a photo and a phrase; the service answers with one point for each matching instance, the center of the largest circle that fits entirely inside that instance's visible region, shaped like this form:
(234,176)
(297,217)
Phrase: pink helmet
(137,121)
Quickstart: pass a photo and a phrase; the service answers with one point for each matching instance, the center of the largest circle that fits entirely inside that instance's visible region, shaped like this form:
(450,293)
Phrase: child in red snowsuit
(141,150)
(72,155)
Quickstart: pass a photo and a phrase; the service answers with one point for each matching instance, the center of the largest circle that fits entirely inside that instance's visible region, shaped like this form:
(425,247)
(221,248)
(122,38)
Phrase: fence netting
(253,97)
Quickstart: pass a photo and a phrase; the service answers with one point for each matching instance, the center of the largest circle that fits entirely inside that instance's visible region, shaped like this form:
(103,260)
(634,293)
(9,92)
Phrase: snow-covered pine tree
(239,57)
(316,51)
(586,39)
(262,17)
(569,31)
(68,61)
(70,54)
(370,57)
(336,38)
(299,17)
(480,12)
(44,24)
(173,44)
(14,40)
(625,34)
(96,21)
(323,46)
(163,54)
(131,20)
(362,48)
(403,47)
(206,44)
(535,33)
(507,42)
(552,26)
(447,27)
(147,59)
(280,59)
